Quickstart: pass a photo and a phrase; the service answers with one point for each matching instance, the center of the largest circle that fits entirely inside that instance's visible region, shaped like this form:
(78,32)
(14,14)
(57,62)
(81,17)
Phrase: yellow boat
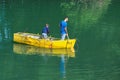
(33,50)
(36,40)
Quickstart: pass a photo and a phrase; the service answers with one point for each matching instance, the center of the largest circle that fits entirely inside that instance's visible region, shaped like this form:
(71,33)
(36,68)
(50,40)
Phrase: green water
(95,25)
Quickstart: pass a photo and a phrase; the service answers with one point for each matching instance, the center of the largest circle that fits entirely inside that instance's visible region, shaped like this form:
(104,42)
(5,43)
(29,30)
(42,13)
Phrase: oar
(68,37)
(72,49)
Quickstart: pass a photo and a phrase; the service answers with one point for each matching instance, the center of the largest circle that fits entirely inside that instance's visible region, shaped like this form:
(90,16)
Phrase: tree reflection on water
(5,30)
(84,12)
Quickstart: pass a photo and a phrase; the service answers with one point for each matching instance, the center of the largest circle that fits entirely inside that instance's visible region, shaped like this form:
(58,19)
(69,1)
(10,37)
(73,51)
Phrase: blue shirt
(63,25)
(45,30)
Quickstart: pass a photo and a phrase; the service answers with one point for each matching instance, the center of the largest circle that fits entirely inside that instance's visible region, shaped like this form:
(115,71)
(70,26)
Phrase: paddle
(72,49)
(68,37)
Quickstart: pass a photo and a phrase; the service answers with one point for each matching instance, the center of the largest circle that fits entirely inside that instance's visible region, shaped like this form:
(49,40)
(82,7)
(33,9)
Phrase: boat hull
(35,40)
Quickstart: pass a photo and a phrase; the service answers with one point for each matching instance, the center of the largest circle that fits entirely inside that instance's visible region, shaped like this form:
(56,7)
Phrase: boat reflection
(63,54)
(32,50)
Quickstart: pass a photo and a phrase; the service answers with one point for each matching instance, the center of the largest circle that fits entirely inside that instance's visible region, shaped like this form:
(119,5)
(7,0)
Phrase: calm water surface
(94,24)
